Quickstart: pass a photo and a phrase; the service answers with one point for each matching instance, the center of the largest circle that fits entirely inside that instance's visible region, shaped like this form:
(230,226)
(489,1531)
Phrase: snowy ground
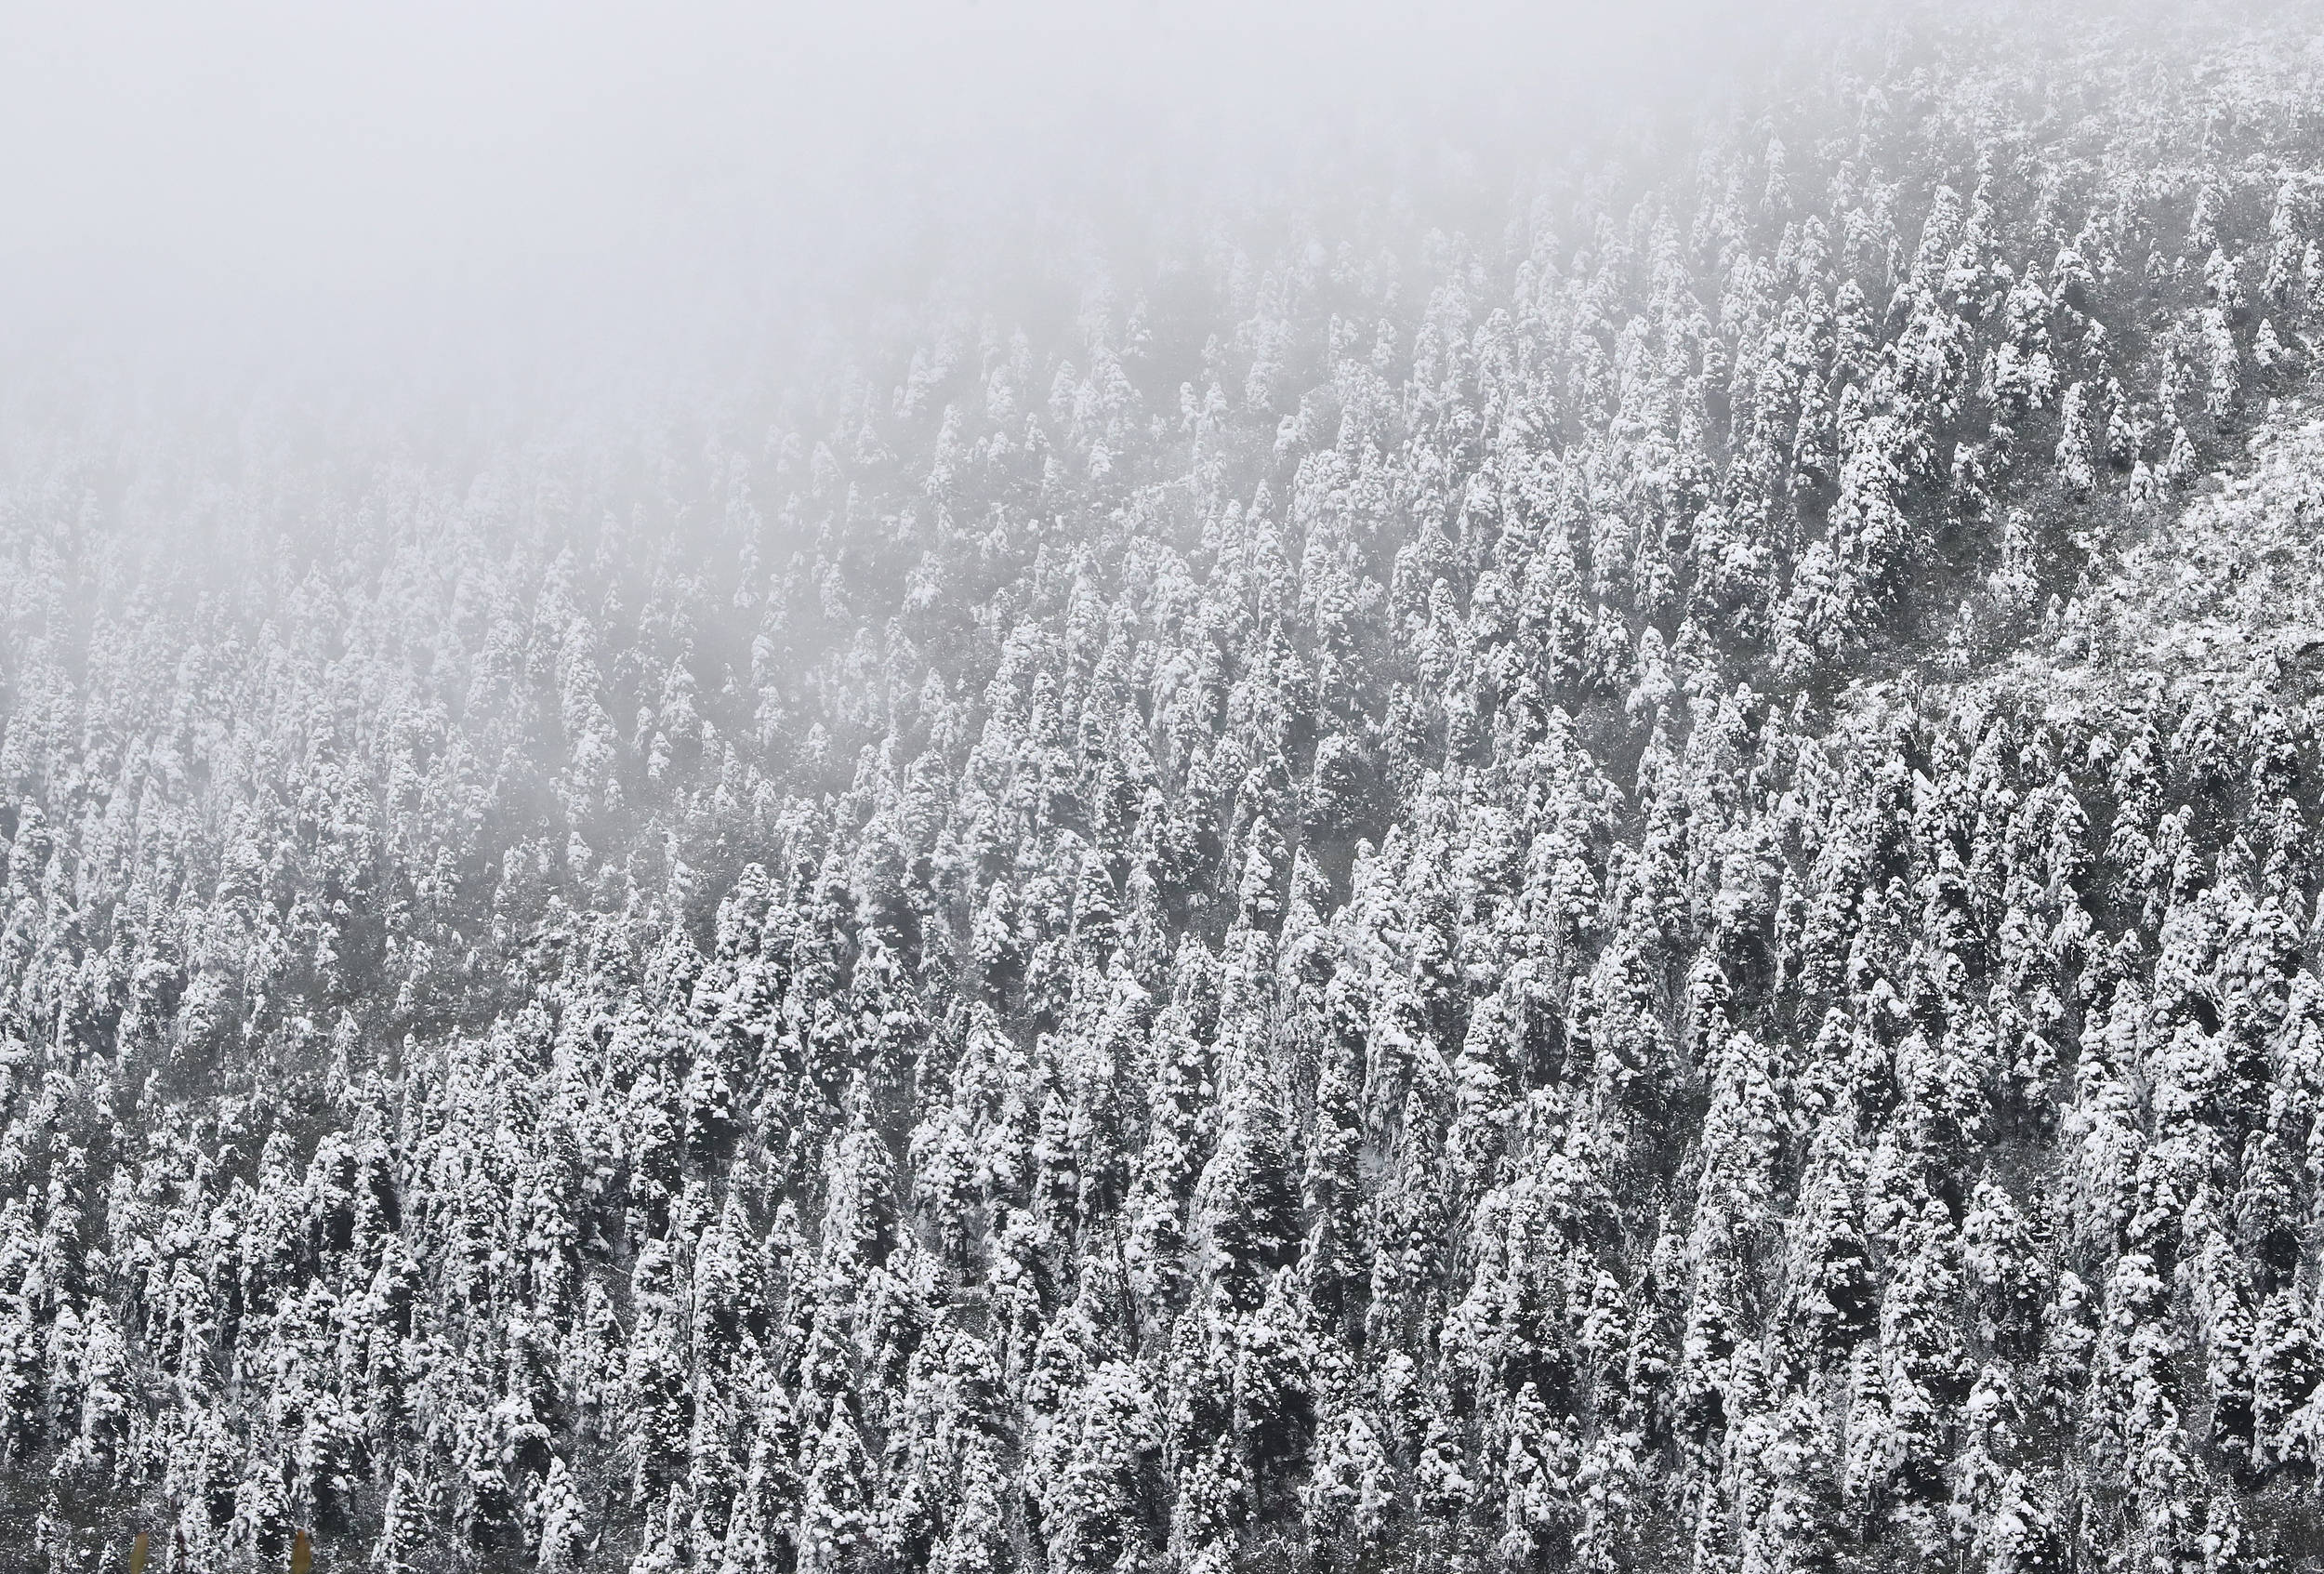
(2227,591)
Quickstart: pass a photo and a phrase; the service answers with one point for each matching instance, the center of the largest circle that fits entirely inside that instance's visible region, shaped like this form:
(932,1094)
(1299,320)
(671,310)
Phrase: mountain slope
(1604,891)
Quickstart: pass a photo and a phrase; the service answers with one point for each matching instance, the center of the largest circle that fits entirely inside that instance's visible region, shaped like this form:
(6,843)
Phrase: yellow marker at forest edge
(302,1556)
(137,1554)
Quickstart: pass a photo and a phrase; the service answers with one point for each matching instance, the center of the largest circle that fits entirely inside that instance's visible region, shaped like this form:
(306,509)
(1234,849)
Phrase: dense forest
(1618,875)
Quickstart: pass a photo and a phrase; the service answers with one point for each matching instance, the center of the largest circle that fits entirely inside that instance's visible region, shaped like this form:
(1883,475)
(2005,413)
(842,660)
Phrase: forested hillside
(1627,883)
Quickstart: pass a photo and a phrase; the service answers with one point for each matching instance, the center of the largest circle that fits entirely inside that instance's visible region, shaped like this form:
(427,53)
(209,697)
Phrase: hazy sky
(247,167)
